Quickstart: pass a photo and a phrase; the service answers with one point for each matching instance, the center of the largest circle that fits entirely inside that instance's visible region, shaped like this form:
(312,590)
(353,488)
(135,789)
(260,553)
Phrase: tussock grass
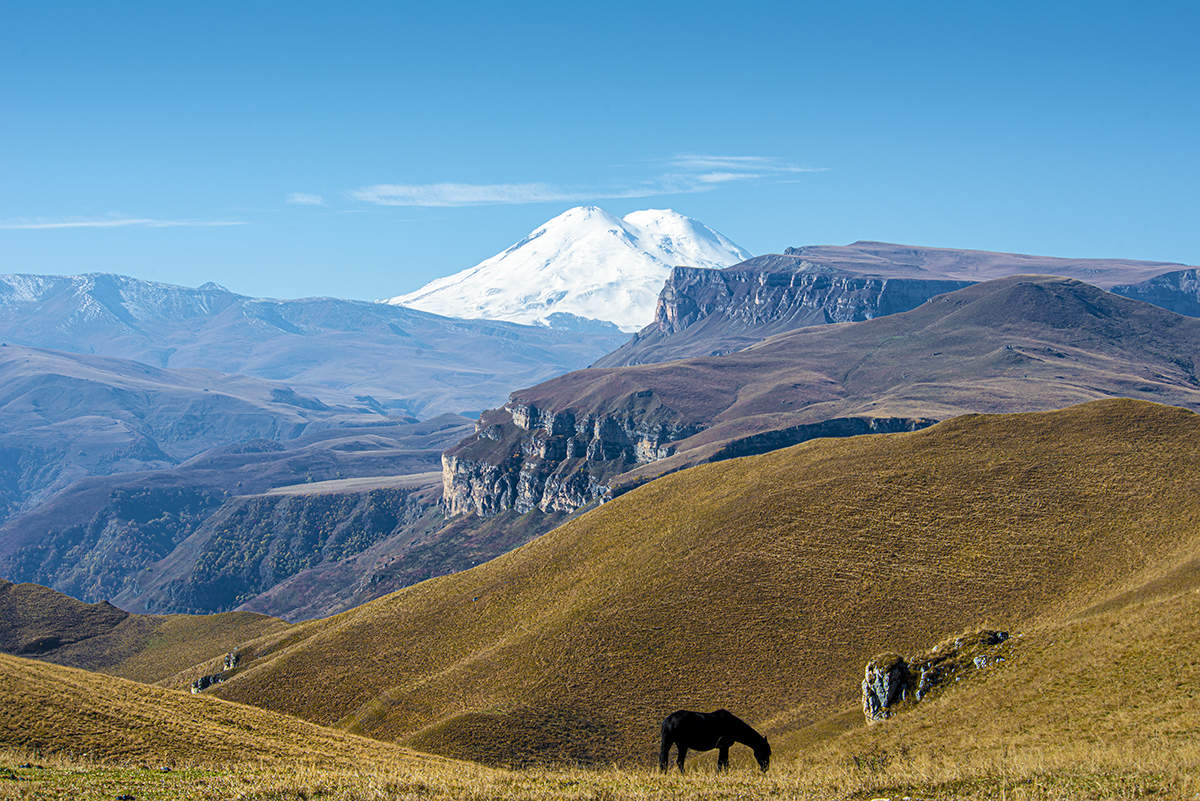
(1024,781)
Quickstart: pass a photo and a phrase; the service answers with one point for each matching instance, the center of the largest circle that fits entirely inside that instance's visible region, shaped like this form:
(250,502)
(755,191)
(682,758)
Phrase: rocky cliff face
(809,293)
(707,312)
(523,458)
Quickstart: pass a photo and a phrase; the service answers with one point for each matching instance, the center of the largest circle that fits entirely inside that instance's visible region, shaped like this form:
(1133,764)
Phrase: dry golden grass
(761,584)
(55,710)
(1100,706)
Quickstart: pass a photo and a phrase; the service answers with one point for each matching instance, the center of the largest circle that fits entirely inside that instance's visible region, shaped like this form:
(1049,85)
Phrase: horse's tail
(664,751)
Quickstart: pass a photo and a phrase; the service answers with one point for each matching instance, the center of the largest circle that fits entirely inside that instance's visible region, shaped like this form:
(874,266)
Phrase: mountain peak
(584,262)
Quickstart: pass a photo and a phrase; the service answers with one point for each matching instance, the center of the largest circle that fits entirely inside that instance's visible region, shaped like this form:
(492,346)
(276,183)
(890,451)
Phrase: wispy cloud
(305,199)
(454,194)
(746,166)
(124,222)
(682,174)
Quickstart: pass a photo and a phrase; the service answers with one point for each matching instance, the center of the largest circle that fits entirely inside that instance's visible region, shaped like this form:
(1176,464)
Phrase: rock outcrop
(228,665)
(890,681)
(523,458)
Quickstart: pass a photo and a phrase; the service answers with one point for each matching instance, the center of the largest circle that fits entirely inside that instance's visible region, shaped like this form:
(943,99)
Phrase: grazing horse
(704,731)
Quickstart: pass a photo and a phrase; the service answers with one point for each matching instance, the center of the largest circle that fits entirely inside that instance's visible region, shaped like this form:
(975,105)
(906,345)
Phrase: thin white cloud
(751,166)
(305,199)
(725,177)
(455,194)
(127,222)
(683,174)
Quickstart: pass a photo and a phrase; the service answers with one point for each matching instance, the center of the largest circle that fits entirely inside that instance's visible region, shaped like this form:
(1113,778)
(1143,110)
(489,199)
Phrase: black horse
(704,731)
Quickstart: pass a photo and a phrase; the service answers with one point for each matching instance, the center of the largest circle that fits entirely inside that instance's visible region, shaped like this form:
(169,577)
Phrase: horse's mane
(751,734)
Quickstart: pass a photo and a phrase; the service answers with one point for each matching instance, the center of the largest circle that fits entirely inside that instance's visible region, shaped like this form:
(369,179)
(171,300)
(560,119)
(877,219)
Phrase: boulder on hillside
(890,679)
(884,685)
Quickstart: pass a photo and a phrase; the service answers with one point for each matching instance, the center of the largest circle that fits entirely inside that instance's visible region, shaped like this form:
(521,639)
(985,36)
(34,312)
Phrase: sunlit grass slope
(41,623)
(761,584)
(51,710)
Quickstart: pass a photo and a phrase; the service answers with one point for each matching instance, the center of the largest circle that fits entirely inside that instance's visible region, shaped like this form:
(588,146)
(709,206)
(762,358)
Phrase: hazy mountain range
(408,361)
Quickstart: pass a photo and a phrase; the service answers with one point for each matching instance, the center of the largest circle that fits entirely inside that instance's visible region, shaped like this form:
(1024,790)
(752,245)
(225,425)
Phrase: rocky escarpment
(892,682)
(707,312)
(1178,291)
(523,458)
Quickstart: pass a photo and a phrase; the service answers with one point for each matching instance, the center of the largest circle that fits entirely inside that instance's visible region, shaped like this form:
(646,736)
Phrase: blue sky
(361,149)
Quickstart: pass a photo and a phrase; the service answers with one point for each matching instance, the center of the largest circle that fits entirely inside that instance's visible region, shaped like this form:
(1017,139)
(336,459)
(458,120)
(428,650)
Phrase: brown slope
(760,584)
(53,710)
(40,623)
(1016,344)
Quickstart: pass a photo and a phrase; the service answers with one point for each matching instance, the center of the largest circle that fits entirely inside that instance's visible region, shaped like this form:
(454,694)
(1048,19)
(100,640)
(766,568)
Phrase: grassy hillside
(41,623)
(53,710)
(1110,691)
(761,584)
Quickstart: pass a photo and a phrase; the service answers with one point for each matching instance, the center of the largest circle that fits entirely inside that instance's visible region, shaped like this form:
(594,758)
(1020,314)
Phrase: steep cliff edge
(704,312)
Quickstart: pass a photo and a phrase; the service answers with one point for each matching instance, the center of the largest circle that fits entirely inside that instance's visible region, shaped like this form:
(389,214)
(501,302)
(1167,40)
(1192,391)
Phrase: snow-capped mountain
(584,262)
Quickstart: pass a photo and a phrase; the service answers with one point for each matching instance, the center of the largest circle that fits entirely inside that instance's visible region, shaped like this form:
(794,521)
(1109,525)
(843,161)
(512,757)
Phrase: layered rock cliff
(1026,343)
(708,312)
(523,457)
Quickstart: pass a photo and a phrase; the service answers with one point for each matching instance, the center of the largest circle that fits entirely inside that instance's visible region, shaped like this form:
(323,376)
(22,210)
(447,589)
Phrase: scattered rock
(231,661)
(204,682)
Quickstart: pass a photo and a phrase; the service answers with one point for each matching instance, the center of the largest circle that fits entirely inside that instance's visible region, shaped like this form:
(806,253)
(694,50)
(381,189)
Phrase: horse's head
(762,753)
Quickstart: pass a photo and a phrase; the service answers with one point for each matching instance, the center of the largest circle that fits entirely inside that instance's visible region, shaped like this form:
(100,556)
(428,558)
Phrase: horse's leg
(682,755)
(664,753)
(723,759)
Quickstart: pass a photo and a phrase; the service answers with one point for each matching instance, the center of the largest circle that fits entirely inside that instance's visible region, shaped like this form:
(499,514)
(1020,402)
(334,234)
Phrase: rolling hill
(53,710)
(65,416)
(40,623)
(1015,344)
(760,584)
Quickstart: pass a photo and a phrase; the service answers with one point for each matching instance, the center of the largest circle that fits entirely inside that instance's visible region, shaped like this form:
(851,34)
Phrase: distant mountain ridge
(710,312)
(410,362)
(584,262)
